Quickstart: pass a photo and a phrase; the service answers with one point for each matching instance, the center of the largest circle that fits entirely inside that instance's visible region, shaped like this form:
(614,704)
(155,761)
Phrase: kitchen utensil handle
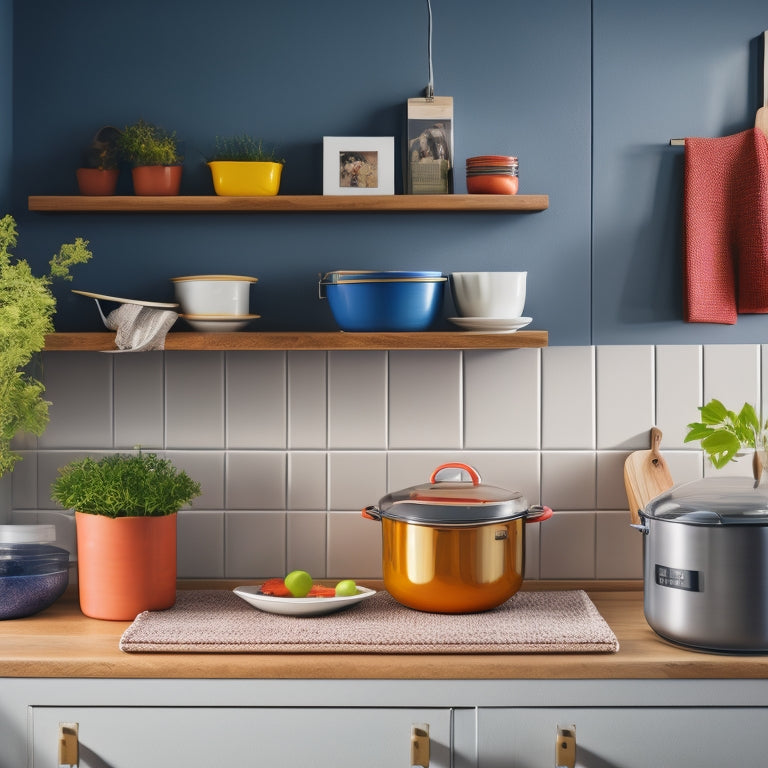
(471,471)
(69,745)
(540,513)
(371,513)
(420,745)
(565,747)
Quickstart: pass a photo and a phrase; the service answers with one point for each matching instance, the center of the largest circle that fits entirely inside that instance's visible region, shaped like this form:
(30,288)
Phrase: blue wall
(6,102)
(603,261)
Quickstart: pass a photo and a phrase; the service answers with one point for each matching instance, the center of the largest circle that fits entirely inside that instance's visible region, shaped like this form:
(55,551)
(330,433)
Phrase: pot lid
(369,276)
(712,501)
(445,500)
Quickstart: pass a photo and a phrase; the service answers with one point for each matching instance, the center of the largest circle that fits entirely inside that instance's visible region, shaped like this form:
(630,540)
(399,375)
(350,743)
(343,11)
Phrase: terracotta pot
(94,181)
(156,179)
(126,565)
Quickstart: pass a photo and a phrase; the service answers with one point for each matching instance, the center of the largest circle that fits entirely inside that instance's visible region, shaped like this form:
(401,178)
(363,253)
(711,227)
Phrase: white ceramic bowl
(213,294)
(489,294)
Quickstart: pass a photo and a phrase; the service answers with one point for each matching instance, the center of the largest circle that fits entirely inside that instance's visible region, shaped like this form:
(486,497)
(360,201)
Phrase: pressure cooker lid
(712,501)
(454,495)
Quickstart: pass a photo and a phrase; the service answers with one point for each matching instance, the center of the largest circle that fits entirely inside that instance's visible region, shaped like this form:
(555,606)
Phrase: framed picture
(358,165)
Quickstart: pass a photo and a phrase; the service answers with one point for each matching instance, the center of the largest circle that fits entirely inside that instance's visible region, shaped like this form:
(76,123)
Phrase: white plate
(219,323)
(160,304)
(491,324)
(301,606)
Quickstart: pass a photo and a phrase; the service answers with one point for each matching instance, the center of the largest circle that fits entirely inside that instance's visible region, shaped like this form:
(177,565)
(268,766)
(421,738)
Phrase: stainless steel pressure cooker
(705,561)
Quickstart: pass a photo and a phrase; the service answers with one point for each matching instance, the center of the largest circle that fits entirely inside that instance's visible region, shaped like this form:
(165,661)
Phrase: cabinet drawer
(625,737)
(200,737)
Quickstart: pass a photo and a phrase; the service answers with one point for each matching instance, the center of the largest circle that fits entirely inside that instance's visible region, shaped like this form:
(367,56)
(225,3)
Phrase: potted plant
(125,518)
(27,307)
(724,434)
(154,154)
(242,167)
(99,172)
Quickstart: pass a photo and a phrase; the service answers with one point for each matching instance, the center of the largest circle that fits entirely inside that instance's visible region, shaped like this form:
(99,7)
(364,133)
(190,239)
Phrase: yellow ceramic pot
(236,178)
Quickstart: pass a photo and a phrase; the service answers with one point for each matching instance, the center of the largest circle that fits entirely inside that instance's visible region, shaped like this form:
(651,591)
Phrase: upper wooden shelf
(288,340)
(288,203)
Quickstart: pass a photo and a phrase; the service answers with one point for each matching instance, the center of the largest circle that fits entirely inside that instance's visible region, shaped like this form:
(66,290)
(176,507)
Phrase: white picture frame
(358,165)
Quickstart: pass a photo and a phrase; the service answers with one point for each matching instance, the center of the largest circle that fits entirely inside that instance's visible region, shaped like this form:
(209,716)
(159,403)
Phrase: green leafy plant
(143,143)
(724,433)
(124,485)
(27,307)
(244,148)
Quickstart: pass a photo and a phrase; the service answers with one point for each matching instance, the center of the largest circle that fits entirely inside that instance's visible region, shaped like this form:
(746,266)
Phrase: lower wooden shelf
(299,340)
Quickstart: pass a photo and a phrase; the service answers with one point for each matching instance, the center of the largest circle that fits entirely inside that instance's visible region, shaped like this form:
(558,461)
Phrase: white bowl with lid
(213,294)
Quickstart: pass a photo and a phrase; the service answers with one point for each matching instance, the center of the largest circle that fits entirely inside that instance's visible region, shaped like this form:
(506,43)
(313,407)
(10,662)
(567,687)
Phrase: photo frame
(358,165)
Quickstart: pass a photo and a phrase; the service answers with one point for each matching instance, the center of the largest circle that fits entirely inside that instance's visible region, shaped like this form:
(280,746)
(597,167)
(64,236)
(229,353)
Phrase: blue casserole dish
(366,301)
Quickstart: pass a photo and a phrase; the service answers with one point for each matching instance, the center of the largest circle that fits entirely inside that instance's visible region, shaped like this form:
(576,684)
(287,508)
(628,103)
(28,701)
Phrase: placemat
(218,621)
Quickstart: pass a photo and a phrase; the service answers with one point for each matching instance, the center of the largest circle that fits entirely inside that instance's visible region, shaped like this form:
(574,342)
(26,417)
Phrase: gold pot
(454,546)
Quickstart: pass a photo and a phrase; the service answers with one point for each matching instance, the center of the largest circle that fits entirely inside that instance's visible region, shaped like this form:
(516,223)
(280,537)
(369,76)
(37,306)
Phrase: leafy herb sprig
(724,433)
(27,307)
(244,148)
(124,485)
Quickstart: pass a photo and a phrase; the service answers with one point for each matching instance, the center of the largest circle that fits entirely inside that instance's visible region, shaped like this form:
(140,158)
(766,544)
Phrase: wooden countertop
(62,642)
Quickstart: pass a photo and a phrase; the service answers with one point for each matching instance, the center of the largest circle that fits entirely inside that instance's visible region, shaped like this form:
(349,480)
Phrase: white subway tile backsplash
(568,398)
(618,547)
(194,402)
(625,396)
(425,402)
(502,392)
(254,545)
(256,387)
(357,479)
(568,479)
(139,404)
(256,480)
(679,389)
(79,387)
(307,400)
(307,480)
(290,447)
(357,400)
(354,547)
(306,546)
(732,374)
(568,546)
(200,544)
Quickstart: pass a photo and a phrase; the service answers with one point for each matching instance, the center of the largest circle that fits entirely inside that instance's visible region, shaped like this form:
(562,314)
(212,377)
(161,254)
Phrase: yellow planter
(235,178)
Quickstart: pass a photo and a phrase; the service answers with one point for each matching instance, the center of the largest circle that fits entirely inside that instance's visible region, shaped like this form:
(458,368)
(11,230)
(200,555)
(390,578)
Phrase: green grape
(299,583)
(346,588)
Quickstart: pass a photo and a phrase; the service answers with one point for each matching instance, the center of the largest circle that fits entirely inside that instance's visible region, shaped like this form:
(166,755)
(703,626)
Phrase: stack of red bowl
(492,175)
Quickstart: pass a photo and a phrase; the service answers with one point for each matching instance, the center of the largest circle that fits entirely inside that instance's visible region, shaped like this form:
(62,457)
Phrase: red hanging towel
(725,227)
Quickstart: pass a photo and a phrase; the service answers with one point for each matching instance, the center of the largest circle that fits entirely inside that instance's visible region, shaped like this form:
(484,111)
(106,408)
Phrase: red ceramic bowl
(492,185)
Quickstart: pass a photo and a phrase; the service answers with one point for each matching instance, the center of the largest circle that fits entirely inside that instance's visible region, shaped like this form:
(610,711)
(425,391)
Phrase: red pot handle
(471,471)
(541,513)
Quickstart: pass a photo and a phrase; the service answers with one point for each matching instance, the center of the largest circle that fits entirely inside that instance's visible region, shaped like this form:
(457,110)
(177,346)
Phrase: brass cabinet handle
(565,747)
(420,745)
(69,745)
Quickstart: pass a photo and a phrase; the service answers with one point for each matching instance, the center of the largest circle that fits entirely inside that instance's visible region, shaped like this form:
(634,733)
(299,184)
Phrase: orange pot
(126,565)
(93,181)
(156,179)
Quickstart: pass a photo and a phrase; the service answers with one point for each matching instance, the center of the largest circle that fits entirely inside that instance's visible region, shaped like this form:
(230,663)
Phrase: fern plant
(27,307)
(124,485)
(143,143)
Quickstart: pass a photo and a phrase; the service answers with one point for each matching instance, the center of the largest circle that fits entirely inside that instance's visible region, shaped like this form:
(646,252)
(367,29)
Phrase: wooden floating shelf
(288,203)
(288,340)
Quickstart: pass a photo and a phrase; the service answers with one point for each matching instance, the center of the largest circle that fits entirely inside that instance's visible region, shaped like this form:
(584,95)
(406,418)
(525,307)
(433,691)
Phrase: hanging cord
(430,92)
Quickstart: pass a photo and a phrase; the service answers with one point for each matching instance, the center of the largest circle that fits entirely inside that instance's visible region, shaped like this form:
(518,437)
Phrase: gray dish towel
(218,621)
(139,328)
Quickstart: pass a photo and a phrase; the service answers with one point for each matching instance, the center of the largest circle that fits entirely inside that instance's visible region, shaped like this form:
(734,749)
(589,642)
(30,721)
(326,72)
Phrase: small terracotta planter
(95,181)
(156,179)
(126,565)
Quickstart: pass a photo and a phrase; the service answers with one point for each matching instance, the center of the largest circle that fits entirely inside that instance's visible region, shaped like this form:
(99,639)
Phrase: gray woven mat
(218,621)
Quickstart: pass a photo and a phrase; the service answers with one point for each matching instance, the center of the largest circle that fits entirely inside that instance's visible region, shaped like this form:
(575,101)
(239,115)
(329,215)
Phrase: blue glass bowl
(32,577)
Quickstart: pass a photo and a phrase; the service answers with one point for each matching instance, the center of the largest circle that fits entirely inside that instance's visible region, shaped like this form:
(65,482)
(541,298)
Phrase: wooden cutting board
(646,475)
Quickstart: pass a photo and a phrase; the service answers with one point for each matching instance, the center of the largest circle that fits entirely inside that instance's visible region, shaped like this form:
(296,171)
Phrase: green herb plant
(124,485)
(143,143)
(244,148)
(724,433)
(27,307)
